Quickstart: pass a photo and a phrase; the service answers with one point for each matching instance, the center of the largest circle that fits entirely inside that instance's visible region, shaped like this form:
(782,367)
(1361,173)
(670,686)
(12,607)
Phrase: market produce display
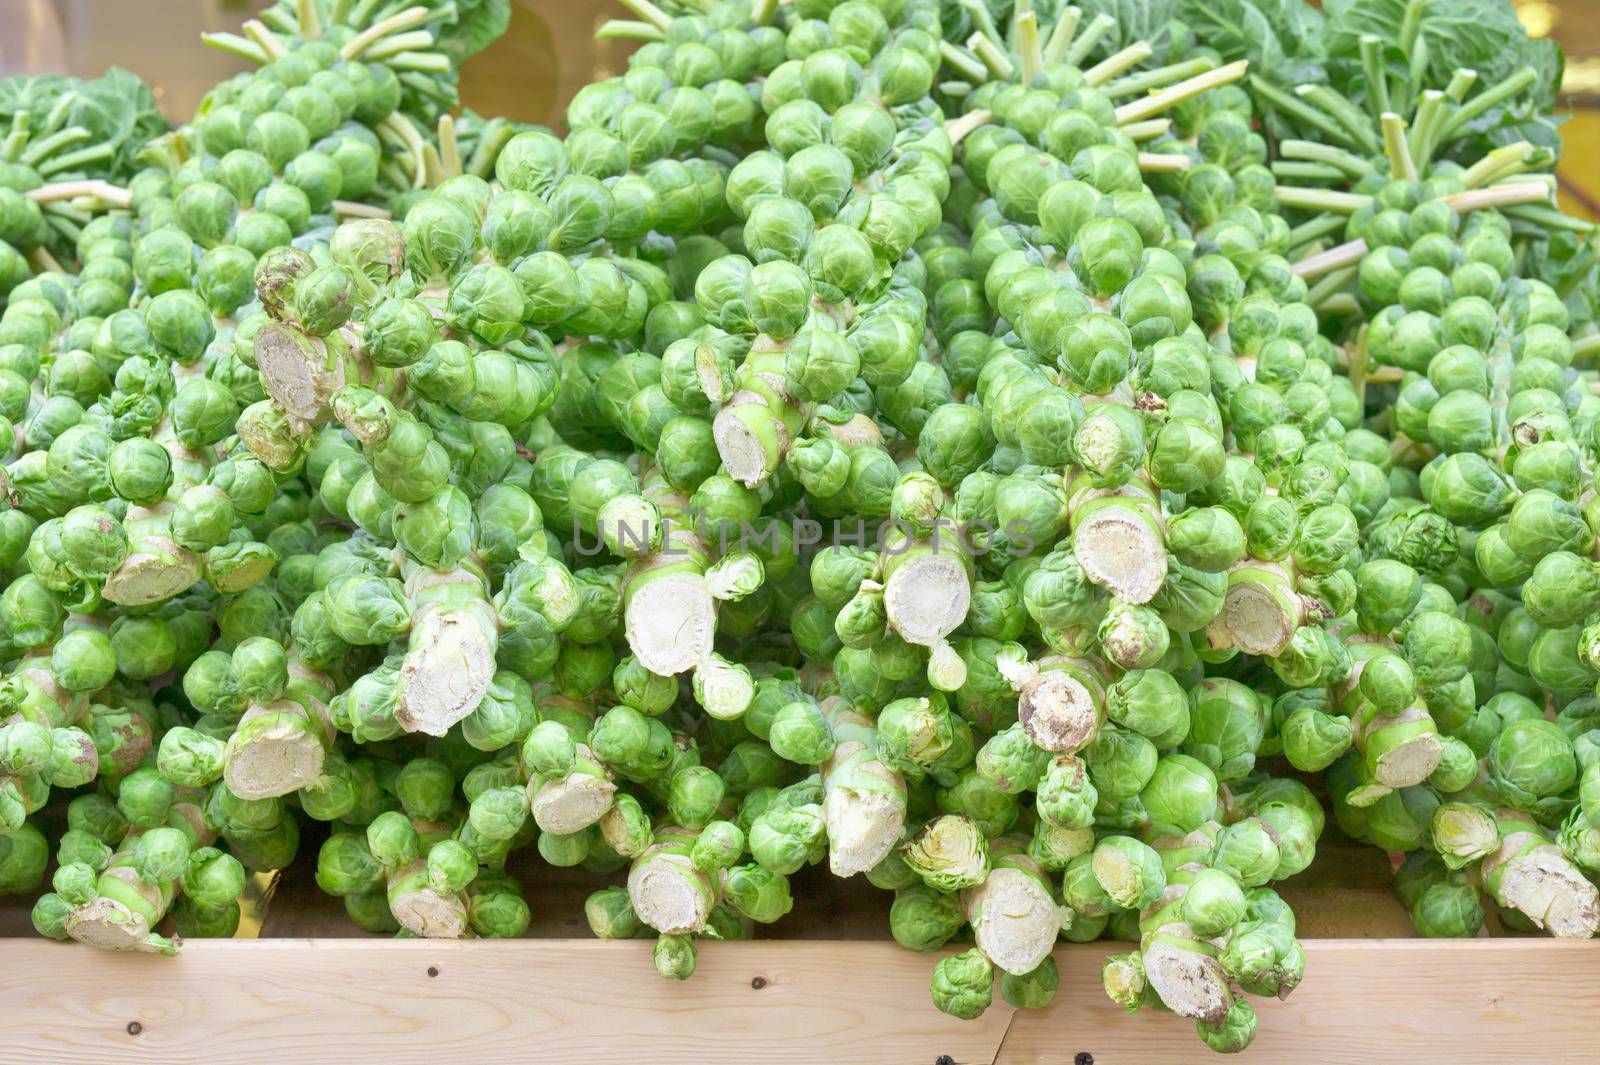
(1042,459)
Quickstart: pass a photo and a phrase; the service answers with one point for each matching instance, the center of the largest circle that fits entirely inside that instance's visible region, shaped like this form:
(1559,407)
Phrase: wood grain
(1407,1002)
(371,1002)
(289,998)
(555,1002)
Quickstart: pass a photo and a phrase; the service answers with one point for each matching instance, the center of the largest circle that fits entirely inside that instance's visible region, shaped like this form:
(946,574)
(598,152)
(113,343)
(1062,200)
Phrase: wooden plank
(591,1003)
(1405,1001)
(555,1002)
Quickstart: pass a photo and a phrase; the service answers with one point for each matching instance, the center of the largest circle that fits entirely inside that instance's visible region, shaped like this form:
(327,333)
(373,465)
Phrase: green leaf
(476,25)
(1150,21)
(118,109)
(1483,35)
(1280,38)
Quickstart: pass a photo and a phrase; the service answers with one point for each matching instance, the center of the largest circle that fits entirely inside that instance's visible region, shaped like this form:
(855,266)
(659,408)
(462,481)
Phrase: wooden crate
(314,989)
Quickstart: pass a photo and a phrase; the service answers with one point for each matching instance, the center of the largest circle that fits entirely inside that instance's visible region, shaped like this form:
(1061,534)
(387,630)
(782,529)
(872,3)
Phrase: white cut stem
(265,39)
(1157,163)
(1117,62)
(449,150)
(993,58)
(1148,130)
(1061,36)
(1499,196)
(1014,920)
(1027,28)
(1322,199)
(1333,259)
(404,20)
(1402,166)
(235,45)
(1166,99)
(110,194)
(1084,43)
(397,43)
(306,16)
(958,128)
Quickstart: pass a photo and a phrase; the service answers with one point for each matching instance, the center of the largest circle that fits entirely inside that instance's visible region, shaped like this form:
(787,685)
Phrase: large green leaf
(1280,38)
(1150,21)
(1483,35)
(118,109)
(476,25)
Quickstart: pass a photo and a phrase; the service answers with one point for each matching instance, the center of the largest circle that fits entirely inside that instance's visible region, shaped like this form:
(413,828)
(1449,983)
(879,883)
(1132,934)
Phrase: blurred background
(549,51)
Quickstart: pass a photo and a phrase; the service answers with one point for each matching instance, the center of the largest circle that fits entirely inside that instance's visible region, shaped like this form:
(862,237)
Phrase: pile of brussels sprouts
(1034,467)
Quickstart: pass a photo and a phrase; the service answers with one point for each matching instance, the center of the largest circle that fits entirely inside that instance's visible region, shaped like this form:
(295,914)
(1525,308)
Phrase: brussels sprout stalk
(668,606)
(1080,45)
(1141,83)
(1263,609)
(572,801)
(279,747)
(864,801)
(1168,98)
(1060,701)
(450,657)
(1530,874)
(94,190)
(627,30)
(1118,62)
(423,908)
(1118,539)
(668,892)
(140,883)
(1333,259)
(927,588)
(1014,917)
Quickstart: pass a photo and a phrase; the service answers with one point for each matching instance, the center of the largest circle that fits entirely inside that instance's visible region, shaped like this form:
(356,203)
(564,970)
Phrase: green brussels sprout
(1128,871)
(1213,903)
(1531,760)
(963,984)
(1181,794)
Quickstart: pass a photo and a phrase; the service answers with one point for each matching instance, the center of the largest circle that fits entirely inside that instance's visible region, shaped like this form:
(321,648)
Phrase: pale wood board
(555,1002)
(1363,1002)
(298,996)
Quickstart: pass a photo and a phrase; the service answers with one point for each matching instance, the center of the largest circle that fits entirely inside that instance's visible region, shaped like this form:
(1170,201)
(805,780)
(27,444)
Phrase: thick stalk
(1336,258)
(1322,199)
(1156,163)
(1061,34)
(1013,914)
(357,46)
(1312,151)
(864,801)
(1150,106)
(993,58)
(1290,170)
(1487,100)
(1377,77)
(1142,82)
(1027,34)
(1401,166)
(1343,112)
(966,64)
(627,30)
(1301,112)
(1117,62)
(1084,43)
